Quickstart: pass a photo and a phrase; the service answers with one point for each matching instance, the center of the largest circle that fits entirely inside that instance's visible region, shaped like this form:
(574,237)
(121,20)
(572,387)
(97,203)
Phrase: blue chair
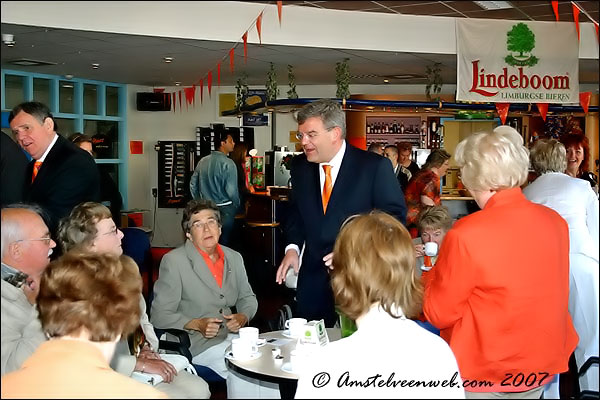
(136,244)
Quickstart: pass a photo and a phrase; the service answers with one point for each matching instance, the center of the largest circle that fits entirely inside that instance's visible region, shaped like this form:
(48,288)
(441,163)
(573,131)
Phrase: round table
(266,368)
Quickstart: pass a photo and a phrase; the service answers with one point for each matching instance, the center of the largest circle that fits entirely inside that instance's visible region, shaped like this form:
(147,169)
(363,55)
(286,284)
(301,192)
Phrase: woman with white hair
(576,202)
(500,287)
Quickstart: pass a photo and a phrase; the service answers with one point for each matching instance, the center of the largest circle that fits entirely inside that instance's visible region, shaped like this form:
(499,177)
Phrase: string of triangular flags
(576,12)
(584,101)
(188,94)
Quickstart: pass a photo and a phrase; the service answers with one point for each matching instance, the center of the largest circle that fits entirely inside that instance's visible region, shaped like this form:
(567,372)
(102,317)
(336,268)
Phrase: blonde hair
(548,155)
(98,292)
(374,261)
(493,160)
(435,217)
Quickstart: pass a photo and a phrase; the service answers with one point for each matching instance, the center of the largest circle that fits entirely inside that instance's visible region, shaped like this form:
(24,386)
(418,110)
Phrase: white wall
(150,127)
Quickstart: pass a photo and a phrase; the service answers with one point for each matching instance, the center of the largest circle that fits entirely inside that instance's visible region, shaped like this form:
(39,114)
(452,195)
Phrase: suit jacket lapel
(200,268)
(48,163)
(313,185)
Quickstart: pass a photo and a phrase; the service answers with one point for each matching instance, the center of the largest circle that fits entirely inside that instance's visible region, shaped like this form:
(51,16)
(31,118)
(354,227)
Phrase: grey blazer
(186,289)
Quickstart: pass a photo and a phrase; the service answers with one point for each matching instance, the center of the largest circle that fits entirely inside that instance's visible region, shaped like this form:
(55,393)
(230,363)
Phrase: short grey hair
(195,206)
(11,228)
(494,160)
(328,110)
(548,155)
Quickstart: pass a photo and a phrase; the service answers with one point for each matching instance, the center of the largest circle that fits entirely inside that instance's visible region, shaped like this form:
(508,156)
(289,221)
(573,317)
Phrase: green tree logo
(520,40)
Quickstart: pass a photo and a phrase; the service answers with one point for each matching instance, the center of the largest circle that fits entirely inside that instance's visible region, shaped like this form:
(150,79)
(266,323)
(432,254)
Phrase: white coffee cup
(431,249)
(297,359)
(249,333)
(242,349)
(295,326)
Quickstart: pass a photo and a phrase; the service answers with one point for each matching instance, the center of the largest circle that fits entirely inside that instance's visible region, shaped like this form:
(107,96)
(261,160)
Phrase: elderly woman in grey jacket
(203,288)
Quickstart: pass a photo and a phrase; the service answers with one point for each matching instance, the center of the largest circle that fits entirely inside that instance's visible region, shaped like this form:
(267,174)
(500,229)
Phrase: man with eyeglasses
(330,182)
(26,248)
(61,175)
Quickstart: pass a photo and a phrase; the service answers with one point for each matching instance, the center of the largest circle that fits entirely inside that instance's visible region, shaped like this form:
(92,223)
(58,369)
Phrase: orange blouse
(499,294)
(216,268)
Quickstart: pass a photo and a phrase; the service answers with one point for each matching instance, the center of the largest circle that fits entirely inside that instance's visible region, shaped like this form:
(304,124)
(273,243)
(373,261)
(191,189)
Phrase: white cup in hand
(431,249)
(242,349)
(295,326)
(249,333)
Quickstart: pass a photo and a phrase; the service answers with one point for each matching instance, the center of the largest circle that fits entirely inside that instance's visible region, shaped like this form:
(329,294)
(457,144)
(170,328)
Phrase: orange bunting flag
(584,100)
(576,19)
(259,27)
(555,8)
(231,55)
(194,95)
(189,95)
(180,101)
(245,37)
(543,109)
(279,4)
(502,109)
(219,74)
(201,89)
(209,81)
(596,26)
(174,101)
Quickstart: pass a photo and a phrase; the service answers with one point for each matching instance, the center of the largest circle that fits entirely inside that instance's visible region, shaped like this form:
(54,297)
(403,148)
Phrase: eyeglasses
(310,135)
(211,223)
(46,240)
(112,232)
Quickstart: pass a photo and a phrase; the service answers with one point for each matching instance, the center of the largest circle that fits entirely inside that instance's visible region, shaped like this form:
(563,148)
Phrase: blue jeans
(227,221)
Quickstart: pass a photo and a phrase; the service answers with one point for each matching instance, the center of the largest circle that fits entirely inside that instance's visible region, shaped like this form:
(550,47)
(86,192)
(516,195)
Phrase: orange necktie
(327,186)
(36,168)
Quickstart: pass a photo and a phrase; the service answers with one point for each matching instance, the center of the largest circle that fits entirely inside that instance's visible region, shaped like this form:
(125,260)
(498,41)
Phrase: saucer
(261,342)
(287,334)
(287,367)
(253,356)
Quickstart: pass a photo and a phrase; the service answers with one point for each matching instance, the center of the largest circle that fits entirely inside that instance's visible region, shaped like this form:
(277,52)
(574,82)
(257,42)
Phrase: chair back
(136,244)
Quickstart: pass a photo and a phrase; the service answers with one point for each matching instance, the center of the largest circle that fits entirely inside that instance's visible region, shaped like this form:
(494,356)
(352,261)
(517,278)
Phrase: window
(78,105)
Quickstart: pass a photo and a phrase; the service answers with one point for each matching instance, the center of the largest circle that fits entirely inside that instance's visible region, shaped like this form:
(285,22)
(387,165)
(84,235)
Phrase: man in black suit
(13,166)
(360,182)
(62,175)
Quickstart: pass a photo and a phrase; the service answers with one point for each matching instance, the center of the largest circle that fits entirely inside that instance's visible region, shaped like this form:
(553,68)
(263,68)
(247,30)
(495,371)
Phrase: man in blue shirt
(215,178)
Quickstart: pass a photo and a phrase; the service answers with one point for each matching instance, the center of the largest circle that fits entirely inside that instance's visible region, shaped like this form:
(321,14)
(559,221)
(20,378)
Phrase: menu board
(176,163)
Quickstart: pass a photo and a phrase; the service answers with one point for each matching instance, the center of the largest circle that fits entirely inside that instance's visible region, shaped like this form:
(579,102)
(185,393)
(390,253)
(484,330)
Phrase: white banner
(504,61)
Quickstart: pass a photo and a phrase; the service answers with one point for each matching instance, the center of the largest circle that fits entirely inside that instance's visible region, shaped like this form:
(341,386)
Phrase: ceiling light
(8,39)
(168,59)
(177,83)
(95,66)
(493,5)
(69,76)
(67,85)
(386,81)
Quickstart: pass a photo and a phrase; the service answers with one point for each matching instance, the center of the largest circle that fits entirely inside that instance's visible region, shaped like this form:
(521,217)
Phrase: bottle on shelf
(394,127)
(401,127)
(368,129)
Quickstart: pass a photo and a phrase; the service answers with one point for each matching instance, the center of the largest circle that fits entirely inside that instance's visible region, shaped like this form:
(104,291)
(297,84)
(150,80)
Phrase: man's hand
(208,327)
(31,288)
(235,321)
(156,366)
(291,259)
(328,260)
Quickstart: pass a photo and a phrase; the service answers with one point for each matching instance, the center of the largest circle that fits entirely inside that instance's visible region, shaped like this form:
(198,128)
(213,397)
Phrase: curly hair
(78,229)
(374,260)
(74,292)
(548,155)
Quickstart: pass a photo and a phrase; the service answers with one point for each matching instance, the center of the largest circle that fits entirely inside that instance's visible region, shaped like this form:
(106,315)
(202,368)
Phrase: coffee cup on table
(243,349)
(249,333)
(297,359)
(295,326)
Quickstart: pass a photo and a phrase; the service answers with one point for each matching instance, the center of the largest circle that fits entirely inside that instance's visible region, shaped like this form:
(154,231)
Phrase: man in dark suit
(62,175)
(13,166)
(330,182)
